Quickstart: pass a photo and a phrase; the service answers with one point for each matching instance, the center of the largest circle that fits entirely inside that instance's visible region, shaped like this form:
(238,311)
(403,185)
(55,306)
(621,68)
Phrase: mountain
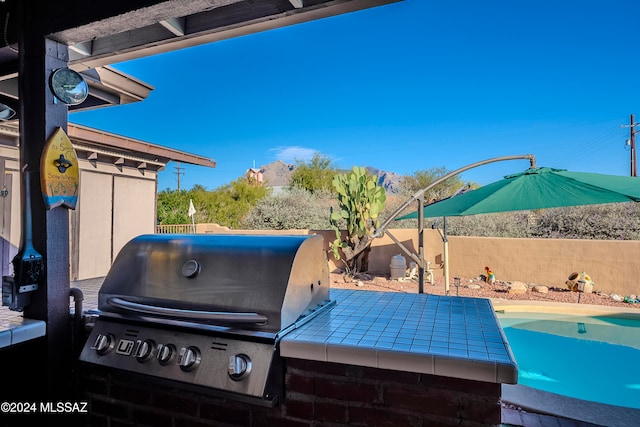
(278,174)
(390,181)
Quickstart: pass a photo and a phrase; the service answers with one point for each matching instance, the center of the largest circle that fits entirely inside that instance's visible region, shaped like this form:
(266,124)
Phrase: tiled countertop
(15,329)
(430,334)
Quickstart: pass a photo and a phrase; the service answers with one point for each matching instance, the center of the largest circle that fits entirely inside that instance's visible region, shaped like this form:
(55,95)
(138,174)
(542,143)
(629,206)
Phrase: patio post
(40,115)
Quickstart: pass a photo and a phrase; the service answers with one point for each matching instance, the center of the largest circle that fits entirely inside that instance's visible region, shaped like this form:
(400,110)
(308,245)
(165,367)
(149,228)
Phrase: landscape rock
(518,288)
(616,297)
(540,289)
(379,280)
(496,292)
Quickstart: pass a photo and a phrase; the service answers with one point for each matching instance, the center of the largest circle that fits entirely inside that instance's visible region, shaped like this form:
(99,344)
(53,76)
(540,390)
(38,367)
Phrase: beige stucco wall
(114,205)
(613,265)
(11,218)
(93,242)
(134,208)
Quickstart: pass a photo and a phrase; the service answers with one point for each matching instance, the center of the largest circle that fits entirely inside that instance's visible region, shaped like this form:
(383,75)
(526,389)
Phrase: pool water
(588,358)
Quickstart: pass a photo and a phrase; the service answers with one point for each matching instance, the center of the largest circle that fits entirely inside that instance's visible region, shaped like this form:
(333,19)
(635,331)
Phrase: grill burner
(209,310)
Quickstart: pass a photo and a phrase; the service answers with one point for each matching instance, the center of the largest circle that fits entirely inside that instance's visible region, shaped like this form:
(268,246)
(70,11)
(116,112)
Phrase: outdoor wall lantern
(68,86)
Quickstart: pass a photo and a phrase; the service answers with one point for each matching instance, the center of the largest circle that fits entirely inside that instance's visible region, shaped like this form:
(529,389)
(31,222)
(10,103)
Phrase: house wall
(614,266)
(93,238)
(11,218)
(134,208)
(115,205)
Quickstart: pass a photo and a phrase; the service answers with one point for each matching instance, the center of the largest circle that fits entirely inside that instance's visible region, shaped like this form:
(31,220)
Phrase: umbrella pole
(446,256)
(420,244)
(419,196)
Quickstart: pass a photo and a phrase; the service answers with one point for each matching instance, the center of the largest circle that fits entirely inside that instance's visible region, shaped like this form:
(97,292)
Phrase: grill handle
(216,316)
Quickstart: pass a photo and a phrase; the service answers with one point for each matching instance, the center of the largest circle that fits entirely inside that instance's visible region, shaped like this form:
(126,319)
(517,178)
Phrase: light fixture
(68,86)
(6,112)
(582,329)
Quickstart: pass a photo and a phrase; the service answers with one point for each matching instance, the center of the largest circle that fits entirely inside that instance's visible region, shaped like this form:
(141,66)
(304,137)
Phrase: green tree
(172,207)
(227,205)
(423,178)
(314,175)
(360,201)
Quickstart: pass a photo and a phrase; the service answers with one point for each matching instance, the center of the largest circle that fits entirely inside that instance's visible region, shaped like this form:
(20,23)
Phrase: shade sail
(537,188)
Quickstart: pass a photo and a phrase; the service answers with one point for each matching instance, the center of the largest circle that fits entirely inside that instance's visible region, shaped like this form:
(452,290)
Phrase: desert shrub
(394,201)
(617,221)
(507,224)
(504,224)
(290,209)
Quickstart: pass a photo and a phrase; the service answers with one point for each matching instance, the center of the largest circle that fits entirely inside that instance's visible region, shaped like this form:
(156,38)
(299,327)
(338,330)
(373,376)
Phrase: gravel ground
(498,290)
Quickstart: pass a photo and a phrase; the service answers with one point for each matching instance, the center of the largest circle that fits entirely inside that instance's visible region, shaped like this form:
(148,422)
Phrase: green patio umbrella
(537,188)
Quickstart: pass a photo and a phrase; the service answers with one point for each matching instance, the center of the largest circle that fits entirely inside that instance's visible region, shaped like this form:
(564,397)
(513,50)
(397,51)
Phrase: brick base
(316,394)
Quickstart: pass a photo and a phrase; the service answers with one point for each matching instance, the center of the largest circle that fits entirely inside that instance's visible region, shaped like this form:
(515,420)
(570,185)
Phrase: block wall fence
(613,265)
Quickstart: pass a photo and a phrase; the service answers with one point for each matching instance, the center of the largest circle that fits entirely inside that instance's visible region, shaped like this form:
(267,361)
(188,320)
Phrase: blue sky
(402,87)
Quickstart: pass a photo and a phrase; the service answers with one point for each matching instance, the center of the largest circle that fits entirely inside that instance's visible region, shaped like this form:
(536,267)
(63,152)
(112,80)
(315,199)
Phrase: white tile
(30,329)
(5,338)
(465,368)
(303,350)
(350,355)
(406,361)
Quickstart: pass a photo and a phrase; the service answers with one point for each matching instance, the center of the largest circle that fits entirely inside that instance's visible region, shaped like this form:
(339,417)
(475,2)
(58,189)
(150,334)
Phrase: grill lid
(252,282)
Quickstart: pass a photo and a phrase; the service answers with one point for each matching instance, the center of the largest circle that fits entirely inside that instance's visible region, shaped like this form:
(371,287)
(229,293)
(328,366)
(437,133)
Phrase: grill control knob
(104,343)
(189,358)
(144,351)
(239,366)
(165,353)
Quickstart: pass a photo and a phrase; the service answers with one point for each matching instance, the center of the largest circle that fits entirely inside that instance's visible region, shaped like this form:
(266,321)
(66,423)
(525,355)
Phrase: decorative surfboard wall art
(59,172)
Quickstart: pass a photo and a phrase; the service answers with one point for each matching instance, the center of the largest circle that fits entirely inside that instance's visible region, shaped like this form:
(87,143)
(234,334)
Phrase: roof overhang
(112,32)
(94,140)
(173,25)
(94,144)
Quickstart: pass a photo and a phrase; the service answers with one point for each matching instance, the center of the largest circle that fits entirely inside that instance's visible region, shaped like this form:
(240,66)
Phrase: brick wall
(316,394)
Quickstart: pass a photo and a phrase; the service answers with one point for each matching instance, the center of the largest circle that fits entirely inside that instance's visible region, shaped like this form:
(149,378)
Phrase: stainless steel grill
(209,310)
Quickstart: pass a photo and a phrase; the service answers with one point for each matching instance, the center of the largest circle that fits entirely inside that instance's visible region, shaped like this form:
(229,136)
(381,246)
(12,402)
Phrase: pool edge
(563,308)
(544,402)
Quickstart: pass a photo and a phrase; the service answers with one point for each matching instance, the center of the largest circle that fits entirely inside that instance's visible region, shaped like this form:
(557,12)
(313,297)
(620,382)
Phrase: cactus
(360,200)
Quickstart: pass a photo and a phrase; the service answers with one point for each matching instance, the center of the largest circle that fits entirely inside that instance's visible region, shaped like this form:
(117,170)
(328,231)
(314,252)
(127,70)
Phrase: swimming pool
(590,358)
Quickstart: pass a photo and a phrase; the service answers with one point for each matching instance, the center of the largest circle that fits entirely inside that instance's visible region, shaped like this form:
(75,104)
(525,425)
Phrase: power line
(591,146)
(178,173)
(632,143)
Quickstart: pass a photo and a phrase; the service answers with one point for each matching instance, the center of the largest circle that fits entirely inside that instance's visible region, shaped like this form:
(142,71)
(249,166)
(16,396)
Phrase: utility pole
(179,173)
(632,144)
